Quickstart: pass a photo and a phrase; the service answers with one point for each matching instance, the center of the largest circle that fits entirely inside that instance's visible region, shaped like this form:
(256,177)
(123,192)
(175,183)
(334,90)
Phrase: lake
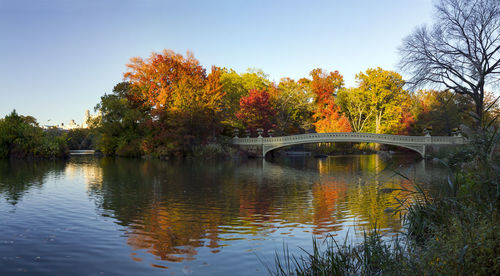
(99,216)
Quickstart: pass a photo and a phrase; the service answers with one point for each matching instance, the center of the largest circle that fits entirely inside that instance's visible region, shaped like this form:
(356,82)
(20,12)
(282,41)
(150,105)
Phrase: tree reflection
(18,177)
(171,209)
(325,197)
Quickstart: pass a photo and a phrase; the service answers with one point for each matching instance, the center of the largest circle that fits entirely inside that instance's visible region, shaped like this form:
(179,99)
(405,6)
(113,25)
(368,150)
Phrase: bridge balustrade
(416,143)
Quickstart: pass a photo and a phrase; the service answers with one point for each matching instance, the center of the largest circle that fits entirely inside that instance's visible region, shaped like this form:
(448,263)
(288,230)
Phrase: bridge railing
(370,137)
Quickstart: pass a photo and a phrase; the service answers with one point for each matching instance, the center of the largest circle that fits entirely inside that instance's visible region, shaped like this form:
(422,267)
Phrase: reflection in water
(17,177)
(171,209)
(325,206)
(184,211)
(86,167)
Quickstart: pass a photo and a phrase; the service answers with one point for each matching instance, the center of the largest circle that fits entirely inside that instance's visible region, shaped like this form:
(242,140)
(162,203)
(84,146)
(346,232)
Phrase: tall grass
(373,256)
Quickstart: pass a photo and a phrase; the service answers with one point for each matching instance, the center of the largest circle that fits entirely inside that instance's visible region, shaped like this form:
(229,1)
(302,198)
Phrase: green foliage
(128,148)
(21,137)
(129,129)
(456,236)
(119,123)
(458,231)
(80,139)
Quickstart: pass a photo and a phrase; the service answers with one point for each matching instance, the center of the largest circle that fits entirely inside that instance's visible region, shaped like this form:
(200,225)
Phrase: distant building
(86,119)
(72,125)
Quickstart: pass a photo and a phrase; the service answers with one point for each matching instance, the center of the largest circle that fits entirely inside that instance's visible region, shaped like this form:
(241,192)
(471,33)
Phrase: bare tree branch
(460,51)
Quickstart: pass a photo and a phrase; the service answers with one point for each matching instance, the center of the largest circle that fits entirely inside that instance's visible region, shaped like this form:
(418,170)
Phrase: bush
(213,151)
(131,149)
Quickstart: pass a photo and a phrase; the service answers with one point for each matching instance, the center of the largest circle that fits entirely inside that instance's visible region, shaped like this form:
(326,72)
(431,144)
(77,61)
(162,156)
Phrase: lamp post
(260,131)
(456,132)
(427,131)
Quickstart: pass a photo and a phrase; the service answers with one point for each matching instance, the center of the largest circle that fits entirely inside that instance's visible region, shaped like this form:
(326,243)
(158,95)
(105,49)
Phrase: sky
(58,57)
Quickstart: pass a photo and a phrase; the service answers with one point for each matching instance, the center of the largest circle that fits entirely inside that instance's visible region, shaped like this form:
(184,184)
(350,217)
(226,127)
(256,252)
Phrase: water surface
(133,217)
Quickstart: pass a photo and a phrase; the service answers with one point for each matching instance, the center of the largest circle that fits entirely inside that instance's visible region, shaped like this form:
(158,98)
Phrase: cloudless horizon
(59,57)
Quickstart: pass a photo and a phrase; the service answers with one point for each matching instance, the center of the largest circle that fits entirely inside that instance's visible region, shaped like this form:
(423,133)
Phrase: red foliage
(256,110)
(407,122)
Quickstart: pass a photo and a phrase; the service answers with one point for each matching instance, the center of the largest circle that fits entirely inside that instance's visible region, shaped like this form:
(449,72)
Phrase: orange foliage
(326,197)
(328,115)
(407,122)
(184,102)
(158,76)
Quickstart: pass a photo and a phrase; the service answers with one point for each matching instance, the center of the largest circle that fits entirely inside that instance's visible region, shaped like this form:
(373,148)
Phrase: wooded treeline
(168,104)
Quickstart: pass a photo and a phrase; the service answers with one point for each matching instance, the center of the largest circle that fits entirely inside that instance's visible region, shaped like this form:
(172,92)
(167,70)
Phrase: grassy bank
(455,231)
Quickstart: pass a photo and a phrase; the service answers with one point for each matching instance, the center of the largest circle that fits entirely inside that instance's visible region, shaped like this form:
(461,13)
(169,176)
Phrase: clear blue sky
(57,57)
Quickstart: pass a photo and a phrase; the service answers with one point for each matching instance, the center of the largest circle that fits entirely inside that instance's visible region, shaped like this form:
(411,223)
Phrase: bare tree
(460,51)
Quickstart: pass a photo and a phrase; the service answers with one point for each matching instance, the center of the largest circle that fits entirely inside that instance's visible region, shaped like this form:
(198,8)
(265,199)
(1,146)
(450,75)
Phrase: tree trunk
(479,113)
(378,118)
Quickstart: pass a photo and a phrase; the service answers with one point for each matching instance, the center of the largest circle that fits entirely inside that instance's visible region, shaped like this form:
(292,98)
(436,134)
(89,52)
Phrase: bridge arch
(416,148)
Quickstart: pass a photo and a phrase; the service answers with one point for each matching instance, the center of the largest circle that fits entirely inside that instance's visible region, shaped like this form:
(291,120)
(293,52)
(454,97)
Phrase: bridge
(260,146)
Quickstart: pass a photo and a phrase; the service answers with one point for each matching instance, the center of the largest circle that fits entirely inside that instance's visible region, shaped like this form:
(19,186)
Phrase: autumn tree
(327,113)
(443,110)
(459,52)
(293,103)
(162,79)
(256,111)
(355,103)
(383,90)
(185,104)
(235,86)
